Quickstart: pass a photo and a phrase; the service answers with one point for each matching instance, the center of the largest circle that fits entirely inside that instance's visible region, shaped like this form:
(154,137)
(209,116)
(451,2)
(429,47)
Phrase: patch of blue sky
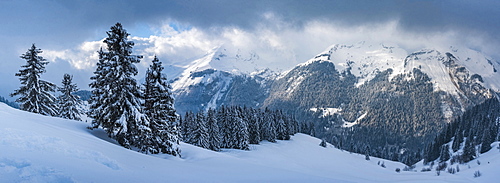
(179,27)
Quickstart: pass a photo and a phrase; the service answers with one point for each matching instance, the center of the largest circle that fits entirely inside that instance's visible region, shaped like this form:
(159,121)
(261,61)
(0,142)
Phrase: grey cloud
(83,17)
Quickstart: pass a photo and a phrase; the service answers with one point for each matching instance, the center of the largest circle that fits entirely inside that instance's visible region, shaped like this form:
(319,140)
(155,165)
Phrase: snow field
(35,148)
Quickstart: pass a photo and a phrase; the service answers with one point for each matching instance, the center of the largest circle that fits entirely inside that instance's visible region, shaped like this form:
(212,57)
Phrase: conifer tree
(116,106)
(199,132)
(69,102)
(35,93)
(223,120)
(239,127)
(459,138)
(269,126)
(469,150)
(100,88)
(281,128)
(213,131)
(186,128)
(159,108)
(253,126)
(444,155)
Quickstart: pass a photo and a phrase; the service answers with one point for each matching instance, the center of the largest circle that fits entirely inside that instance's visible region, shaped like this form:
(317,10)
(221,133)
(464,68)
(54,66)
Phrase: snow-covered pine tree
(253,126)
(268,127)
(281,128)
(444,154)
(69,102)
(186,126)
(213,131)
(99,87)
(159,108)
(199,132)
(239,127)
(35,93)
(117,104)
(224,126)
(469,151)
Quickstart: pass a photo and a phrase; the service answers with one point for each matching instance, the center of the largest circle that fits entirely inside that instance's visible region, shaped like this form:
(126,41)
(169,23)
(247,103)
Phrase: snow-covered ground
(36,148)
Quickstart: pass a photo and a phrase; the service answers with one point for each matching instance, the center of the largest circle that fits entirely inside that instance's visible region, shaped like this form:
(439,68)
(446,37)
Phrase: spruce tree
(199,132)
(457,141)
(213,131)
(444,155)
(223,119)
(469,150)
(269,126)
(239,129)
(69,103)
(186,128)
(35,93)
(159,108)
(100,88)
(281,128)
(117,104)
(254,126)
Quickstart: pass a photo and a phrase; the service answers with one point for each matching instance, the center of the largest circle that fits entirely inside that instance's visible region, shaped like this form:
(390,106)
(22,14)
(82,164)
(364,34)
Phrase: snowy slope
(441,64)
(36,148)
(219,59)
(365,60)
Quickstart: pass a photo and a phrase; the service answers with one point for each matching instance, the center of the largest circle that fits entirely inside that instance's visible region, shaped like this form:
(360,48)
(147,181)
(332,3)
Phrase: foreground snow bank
(35,148)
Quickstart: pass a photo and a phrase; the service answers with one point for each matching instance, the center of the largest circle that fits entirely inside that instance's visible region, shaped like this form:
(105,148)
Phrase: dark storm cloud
(82,18)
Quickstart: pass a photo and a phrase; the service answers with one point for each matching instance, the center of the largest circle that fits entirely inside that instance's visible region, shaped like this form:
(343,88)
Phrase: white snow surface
(365,60)
(327,111)
(35,148)
(219,59)
(348,124)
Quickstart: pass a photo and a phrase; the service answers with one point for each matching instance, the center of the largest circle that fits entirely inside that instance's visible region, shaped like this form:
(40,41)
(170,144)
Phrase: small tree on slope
(116,106)
(35,93)
(159,107)
(68,101)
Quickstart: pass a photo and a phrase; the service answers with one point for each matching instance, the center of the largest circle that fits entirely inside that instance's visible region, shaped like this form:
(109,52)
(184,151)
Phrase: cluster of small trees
(36,94)
(236,127)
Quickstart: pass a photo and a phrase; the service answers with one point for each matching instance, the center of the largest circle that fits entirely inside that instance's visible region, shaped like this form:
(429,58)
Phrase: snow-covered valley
(36,148)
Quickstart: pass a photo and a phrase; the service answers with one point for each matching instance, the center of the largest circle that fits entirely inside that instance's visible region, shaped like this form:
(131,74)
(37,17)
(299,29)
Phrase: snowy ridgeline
(36,148)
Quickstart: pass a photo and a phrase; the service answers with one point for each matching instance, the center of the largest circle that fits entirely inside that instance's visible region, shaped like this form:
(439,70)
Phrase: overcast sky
(280,31)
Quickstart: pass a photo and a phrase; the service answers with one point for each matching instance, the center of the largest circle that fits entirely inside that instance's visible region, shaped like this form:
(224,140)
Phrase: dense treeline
(9,103)
(475,130)
(236,127)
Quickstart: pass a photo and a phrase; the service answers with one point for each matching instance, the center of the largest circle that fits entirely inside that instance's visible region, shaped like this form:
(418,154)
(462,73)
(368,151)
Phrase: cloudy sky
(282,32)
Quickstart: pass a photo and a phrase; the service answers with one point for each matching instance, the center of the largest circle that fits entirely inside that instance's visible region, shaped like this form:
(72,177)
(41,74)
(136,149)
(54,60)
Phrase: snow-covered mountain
(36,148)
(221,77)
(402,96)
(458,71)
(466,75)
